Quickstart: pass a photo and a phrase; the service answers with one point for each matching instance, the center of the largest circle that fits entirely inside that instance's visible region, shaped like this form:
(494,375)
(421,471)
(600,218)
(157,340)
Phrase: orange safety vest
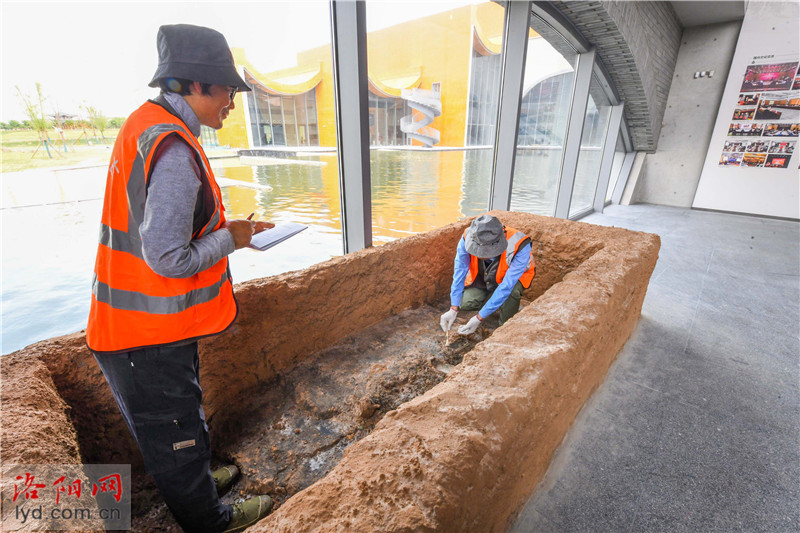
(132,306)
(516,239)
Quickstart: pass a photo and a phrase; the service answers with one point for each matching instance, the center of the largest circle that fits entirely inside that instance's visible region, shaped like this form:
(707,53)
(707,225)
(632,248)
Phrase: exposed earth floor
(297,427)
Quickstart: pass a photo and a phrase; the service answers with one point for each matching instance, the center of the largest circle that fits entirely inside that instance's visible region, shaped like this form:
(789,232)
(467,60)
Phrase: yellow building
(450,59)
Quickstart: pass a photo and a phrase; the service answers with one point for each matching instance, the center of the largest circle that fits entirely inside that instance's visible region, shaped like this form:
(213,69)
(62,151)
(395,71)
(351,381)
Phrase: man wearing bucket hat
(493,265)
(162,279)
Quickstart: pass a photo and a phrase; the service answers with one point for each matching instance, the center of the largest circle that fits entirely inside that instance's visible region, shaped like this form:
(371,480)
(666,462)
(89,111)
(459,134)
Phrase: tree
(4,126)
(36,116)
(97,119)
(14,124)
(116,122)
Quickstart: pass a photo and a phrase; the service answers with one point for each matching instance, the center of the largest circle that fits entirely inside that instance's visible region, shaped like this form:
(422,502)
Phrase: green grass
(18,149)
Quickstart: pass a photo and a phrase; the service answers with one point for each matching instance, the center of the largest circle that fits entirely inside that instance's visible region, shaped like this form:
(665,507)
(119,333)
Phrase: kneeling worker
(493,265)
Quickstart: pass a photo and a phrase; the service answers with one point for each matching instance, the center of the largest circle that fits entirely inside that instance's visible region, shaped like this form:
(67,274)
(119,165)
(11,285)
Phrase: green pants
(474,299)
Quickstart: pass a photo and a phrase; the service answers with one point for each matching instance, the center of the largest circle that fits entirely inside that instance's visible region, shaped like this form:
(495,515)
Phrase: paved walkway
(697,425)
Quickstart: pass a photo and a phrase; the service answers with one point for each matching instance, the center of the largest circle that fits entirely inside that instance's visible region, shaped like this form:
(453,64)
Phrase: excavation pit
(293,430)
(334,391)
(300,424)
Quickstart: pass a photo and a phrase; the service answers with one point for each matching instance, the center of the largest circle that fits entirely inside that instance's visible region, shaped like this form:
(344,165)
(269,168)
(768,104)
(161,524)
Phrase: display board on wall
(752,162)
(766,120)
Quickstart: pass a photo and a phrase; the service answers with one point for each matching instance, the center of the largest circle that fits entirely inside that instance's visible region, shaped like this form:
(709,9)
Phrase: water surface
(50,220)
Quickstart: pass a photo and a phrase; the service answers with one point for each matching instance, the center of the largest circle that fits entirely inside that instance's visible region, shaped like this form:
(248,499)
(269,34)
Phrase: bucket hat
(195,53)
(486,237)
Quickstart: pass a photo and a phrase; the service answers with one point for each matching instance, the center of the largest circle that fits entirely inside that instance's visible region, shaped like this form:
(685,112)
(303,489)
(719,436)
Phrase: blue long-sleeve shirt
(515,271)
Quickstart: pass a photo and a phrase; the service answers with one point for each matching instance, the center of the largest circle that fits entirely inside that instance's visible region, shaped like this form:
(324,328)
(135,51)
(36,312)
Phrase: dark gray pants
(158,392)
(474,298)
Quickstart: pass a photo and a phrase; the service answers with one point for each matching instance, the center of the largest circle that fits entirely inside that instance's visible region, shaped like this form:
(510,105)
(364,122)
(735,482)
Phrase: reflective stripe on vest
(132,306)
(157,305)
(121,240)
(514,239)
(130,241)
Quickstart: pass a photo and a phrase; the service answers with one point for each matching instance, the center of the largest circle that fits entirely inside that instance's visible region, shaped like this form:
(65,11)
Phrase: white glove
(448,319)
(470,327)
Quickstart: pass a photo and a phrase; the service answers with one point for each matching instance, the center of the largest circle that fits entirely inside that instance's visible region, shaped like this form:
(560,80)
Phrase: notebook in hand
(270,237)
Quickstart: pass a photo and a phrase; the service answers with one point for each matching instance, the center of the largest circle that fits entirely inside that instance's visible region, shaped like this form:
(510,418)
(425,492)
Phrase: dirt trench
(365,459)
(297,427)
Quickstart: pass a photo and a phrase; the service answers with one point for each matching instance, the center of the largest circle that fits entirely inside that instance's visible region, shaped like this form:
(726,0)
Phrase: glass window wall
(281,120)
(483,97)
(434,88)
(289,171)
(595,126)
(616,165)
(208,136)
(385,114)
(265,37)
(544,114)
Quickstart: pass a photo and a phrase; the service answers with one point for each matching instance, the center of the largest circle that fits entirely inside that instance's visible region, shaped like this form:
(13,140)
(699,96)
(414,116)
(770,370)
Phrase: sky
(103,54)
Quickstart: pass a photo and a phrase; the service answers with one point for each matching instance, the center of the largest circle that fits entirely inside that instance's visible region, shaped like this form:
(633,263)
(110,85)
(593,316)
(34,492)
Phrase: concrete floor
(697,425)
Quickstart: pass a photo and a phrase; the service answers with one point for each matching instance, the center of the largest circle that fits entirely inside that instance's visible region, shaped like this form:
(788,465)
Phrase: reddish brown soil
(296,428)
(484,433)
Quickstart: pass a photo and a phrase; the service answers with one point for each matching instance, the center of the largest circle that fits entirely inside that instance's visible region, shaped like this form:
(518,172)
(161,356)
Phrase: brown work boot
(248,512)
(224,477)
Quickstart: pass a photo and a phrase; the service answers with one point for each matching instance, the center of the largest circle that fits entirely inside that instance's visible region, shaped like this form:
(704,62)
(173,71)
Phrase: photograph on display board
(748,99)
(743,114)
(769,77)
(781,147)
(780,130)
(753,160)
(734,146)
(796,83)
(730,160)
(759,146)
(745,129)
(777,161)
(779,106)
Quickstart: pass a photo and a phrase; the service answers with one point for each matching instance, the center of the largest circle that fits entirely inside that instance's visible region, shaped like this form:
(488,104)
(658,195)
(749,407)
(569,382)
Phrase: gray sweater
(166,231)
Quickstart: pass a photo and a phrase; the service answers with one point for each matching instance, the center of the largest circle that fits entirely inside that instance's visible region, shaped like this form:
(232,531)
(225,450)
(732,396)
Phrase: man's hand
(470,327)
(242,231)
(448,319)
(261,226)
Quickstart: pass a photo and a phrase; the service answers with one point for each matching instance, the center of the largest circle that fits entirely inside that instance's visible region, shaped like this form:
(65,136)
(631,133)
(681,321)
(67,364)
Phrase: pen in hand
(258,227)
(252,224)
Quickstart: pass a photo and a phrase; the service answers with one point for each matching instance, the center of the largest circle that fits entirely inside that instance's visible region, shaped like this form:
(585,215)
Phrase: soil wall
(465,455)
(461,457)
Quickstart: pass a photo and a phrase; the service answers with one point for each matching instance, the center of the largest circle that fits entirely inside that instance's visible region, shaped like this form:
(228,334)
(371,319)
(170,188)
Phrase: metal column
(609,147)
(248,125)
(619,188)
(349,50)
(572,146)
(515,47)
